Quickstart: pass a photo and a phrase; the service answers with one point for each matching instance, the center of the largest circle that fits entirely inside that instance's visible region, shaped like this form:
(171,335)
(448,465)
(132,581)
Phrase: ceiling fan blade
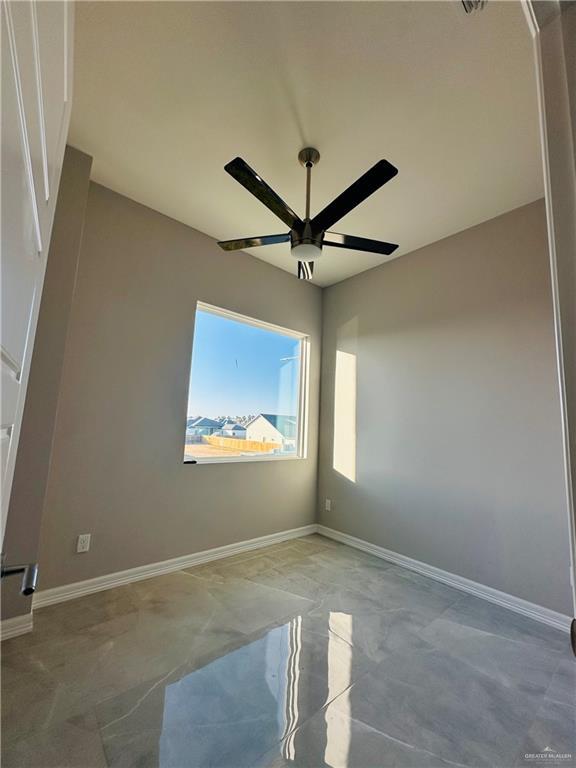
(252,242)
(241,171)
(358,243)
(305,270)
(356,193)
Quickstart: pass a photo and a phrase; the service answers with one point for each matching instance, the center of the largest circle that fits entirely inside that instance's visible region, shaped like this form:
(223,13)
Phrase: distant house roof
(286,425)
(231,425)
(203,421)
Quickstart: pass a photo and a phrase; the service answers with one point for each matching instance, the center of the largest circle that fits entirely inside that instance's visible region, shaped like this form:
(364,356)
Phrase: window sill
(243,459)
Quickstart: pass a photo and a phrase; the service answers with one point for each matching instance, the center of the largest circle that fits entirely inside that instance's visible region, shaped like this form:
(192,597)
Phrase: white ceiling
(167,93)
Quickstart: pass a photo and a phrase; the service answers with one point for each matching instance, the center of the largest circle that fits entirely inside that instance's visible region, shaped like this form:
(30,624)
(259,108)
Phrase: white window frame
(303,386)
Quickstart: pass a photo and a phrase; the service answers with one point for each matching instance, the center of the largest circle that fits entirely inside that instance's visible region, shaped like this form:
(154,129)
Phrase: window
(248,390)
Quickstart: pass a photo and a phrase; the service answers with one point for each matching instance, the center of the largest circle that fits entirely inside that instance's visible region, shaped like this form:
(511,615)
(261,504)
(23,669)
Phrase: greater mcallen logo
(548,754)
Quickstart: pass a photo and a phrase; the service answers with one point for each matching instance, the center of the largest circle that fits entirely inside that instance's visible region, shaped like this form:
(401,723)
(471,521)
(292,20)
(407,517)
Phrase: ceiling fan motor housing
(304,244)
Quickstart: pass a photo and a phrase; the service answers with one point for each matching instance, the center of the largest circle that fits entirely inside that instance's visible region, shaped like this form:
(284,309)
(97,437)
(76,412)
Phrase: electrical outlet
(83,544)
(328,505)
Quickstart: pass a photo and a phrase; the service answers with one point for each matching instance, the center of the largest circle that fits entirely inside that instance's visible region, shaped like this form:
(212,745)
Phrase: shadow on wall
(345,400)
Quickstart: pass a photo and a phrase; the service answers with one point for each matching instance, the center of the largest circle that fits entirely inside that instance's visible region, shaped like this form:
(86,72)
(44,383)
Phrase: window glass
(244,398)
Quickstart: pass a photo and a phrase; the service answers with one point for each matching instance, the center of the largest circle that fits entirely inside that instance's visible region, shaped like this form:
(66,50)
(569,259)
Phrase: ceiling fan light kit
(308,236)
(306,251)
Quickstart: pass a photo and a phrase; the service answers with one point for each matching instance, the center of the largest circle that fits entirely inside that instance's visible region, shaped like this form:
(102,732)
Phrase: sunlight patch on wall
(345,415)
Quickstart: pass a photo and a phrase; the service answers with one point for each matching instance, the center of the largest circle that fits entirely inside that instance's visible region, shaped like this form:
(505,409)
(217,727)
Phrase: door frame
(42,185)
(545,23)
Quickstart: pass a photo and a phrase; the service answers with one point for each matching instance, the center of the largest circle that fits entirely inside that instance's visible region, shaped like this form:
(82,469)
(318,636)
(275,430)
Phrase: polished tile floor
(306,653)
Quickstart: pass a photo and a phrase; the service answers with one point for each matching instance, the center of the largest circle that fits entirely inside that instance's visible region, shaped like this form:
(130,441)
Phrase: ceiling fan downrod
(306,246)
(308,157)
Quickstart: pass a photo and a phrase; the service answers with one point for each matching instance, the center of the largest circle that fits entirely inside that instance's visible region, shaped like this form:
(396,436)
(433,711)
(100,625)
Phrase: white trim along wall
(516,604)
(18,625)
(23,624)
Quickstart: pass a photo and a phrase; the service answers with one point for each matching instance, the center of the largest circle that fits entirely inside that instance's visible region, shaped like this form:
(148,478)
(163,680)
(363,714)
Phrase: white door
(37,46)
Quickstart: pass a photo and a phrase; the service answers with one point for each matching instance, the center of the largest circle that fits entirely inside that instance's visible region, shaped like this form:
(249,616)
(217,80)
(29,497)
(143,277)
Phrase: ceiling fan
(308,236)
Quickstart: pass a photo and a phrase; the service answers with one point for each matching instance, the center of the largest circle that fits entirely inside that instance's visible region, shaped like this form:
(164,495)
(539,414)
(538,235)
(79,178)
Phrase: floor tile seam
(208,584)
(453,601)
(556,669)
(48,688)
(315,712)
(270,570)
(414,686)
(421,750)
(153,681)
(482,673)
(217,723)
(276,622)
(421,629)
(330,543)
(354,589)
(557,702)
(29,647)
(251,580)
(526,730)
(488,632)
(140,700)
(433,754)
(232,560)
(42,728)
(279,566)
(553,700)
(100,737)
(343,639)
(486,674)
(463,597)
(517,641)
(371,727)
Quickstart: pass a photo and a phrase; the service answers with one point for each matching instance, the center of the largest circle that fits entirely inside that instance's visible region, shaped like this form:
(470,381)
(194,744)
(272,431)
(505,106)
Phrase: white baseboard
(80,588)
(18,625)
(516,604)
(21,624)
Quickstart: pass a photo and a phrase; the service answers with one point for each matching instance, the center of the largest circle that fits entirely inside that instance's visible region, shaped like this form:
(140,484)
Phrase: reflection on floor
(306,653)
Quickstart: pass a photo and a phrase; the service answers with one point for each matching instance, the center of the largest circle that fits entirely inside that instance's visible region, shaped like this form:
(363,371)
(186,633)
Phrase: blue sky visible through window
(240,369)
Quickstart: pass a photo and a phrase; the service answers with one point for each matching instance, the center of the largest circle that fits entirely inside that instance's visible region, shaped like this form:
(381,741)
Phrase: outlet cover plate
(83,544)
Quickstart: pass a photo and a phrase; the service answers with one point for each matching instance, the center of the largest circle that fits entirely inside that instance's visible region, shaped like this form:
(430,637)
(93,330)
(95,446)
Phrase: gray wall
(116,468)
(33,459)
(459,452)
